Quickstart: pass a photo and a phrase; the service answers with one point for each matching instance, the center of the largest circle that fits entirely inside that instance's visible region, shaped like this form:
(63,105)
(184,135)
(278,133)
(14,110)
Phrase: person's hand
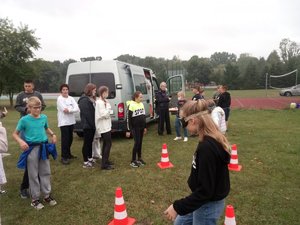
(128,134)
(23,145)
(145,131)
(5,111)
(54,139)
(66,110)
(170,213)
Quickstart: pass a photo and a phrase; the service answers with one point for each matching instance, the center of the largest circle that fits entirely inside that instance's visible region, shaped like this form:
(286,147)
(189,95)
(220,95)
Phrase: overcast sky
(159,28)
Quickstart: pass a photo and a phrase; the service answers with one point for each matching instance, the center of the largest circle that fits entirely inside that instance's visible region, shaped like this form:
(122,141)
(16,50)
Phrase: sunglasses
(184,122)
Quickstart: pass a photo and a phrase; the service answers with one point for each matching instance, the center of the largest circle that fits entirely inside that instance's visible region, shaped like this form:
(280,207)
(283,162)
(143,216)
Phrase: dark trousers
(88,137)
(164,117)
(138,134)
(106,138)
(66,137)
(25,181)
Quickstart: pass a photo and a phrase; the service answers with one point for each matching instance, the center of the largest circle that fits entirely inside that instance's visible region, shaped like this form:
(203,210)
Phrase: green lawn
(266,191)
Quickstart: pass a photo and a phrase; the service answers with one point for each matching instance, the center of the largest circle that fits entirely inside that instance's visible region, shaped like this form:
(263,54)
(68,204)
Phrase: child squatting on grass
(36,151)
(209,178)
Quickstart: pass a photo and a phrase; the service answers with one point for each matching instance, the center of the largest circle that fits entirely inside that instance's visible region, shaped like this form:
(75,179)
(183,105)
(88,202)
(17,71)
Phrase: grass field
(266,191)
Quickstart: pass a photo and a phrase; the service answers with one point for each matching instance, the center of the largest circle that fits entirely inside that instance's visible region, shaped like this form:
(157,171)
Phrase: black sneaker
(141,162)
(65,161)
(107,167)
(24,193)
(134,164)
(72,157)
(110,163)
(37,205)
(51,201)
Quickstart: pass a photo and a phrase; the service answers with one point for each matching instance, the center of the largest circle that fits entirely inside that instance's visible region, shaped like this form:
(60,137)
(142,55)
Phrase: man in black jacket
(162,105)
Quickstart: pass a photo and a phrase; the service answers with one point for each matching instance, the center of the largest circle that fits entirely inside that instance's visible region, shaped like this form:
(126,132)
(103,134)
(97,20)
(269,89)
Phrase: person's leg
(168,123)
(44,174)
(209,213)
(70,130)
(25,184)
(184,220)
(65,142)
(140,142)
(135,135)
(88,136)
(33,172)
(177,127)
(106,148)
(161,122)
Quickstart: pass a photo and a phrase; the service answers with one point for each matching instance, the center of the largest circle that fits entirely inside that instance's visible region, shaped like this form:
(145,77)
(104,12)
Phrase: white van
(122,79)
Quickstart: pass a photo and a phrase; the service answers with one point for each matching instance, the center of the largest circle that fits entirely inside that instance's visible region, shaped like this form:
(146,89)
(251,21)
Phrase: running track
(263,103)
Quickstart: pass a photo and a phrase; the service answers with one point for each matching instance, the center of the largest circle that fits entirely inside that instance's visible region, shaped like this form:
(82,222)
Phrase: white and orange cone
(234,162)
(164,162)
(120,213)
(229,216)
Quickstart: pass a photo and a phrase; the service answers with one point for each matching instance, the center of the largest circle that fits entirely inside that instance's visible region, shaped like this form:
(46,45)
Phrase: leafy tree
(222,58)
(288,49)
(16,48)
(231,76)
(199,70)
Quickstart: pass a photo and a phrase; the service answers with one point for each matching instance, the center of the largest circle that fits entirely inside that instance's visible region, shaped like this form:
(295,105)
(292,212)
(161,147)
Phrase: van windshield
(77,83)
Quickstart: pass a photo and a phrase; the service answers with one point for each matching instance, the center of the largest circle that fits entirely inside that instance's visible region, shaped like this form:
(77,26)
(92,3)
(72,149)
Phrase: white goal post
(269,76)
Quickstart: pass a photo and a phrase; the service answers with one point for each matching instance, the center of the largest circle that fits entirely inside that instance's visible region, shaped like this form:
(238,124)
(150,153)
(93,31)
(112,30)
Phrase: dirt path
(264,103)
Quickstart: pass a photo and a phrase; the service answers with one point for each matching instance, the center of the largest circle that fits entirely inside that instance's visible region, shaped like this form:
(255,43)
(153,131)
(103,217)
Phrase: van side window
(140,83)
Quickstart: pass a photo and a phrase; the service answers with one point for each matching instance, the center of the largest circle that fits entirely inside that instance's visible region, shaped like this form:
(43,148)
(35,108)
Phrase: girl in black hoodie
(209,178)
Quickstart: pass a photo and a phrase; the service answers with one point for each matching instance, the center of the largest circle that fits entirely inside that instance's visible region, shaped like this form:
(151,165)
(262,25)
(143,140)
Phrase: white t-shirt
(218,116)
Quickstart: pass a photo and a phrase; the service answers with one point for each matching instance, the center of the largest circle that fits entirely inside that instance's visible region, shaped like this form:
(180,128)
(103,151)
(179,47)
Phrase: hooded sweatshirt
(209,178)
(87,112)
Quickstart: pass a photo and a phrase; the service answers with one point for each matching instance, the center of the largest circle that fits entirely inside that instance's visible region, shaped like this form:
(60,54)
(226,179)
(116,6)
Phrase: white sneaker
(185,139)
(37,205)
(177,138)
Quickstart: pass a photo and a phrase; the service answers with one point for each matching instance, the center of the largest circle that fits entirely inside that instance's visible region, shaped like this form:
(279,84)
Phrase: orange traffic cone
(229,216)
(164,162)
(120,214)
(234,162)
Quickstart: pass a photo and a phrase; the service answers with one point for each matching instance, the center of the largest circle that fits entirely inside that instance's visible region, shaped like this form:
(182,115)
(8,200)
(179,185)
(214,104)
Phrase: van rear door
(175,84)
(140,84)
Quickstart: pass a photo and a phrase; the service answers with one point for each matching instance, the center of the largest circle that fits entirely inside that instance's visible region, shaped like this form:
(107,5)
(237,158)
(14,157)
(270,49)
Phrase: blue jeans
(208,214)
(178,128)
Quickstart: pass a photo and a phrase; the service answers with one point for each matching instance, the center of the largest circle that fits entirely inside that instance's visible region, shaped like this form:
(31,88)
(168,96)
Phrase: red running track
(263,103)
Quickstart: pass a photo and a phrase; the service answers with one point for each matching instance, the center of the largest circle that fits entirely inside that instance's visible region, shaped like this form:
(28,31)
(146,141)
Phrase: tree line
(17,63)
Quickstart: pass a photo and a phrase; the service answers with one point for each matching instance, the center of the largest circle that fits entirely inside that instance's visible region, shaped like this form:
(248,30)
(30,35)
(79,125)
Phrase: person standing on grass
(66,107)
(3,149)
(136,123)
(162,105)
(103,126)
(225,102)
(209,178)
(21,107)
(87,114)
(35,152)
(181,101)
(216,95)
(218,115)
(198,93)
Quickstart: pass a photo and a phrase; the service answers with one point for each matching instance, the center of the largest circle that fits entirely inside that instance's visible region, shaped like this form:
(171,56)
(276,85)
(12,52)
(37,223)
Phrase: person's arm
(19,106)
(75,107)
(23,145)
(3,140)
(52,134)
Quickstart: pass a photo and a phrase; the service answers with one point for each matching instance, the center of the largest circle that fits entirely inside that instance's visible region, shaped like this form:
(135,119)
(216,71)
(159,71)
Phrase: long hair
(88,90)
(206,127)
(101,90)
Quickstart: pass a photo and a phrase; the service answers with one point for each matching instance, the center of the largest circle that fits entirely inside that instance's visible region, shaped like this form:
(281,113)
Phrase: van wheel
(79,133)
(288,94)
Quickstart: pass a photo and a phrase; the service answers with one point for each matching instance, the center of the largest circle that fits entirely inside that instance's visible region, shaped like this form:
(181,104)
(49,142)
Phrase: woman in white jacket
(103,126)
(218,116)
